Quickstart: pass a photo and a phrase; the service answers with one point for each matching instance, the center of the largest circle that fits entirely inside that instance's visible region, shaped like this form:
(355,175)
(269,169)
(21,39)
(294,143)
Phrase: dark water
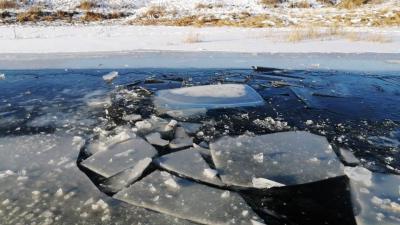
(357,111)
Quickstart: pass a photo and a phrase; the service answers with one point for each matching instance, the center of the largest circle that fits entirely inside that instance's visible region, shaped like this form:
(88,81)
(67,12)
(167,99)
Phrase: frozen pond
(316,146)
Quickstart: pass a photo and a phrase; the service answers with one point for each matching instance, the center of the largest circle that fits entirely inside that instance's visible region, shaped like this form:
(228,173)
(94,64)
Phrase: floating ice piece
(191,99)
(125,178)
(2,76)
(155,139)
(109,77)
(191,128)
(189,163)
(348,157)
(131,117)
(206,206)
(181,140)
(377,196)
(288,158)
(119,157)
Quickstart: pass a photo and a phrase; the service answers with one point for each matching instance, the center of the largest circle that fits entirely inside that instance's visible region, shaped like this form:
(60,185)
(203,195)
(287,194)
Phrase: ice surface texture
(163,192)
(119,157)
(207,97)
(287,157)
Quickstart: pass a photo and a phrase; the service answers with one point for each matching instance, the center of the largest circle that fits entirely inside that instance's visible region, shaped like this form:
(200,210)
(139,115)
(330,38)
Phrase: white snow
(206,97)
(359,174)
(122,38)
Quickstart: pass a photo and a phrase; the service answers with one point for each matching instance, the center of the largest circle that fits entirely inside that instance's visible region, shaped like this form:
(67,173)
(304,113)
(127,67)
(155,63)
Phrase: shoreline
(200,60)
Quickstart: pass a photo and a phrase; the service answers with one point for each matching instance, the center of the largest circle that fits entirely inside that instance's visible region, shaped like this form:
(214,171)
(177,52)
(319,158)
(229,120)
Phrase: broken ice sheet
(163,192)
(126,177)
(189,163)
(119,157)
(286,157)
(377,196)
(181,139)
(192,99)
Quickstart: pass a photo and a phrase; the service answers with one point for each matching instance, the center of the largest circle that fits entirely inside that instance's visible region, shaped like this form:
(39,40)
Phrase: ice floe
(287,158)
(189,100)
(163,192)
(109,77)
(119,157)
(189,163)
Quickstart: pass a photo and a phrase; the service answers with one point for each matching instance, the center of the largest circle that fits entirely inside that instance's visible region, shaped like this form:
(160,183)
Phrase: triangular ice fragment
(165,193)
(189,163)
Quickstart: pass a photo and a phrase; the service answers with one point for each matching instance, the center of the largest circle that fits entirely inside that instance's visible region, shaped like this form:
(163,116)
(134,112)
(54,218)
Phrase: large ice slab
(189,163)
(206,97)
(287,157)
(119,157)
(163,192)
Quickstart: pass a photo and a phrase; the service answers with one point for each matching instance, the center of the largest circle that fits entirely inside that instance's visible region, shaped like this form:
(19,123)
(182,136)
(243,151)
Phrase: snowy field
(120,38)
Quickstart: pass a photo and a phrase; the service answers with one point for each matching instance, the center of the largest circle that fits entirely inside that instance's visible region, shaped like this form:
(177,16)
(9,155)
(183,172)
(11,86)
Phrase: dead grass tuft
(8,4)
(155,12)
(351,4)
(87,5)
(192,38)
(302,4)
(270,3)
(34,14)
(92,16)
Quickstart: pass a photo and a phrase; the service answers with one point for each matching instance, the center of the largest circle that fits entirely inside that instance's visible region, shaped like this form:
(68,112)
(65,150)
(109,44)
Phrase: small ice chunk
(119,157)
(109,77)
(155,139)
(143,125)
(2,76)
(131,117)
(309,122)
(172,183)
(348,157)
(259,157)
(359,174)
(191,128)
(265,183)
(225,194)
(210,173)
(59,192)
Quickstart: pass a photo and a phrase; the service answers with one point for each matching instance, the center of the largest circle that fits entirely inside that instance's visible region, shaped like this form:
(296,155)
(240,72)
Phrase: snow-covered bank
(120,38)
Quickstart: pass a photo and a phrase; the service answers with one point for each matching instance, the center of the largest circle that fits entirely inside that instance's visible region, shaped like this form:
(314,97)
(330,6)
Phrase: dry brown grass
(8,4)
(192,38)
(87,5)
(34,14)
(301,4)
(92,16)
(270,3)
(351,4)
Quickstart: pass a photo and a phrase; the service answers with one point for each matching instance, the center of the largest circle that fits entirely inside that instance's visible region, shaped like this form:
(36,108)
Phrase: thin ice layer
(287,157)
(191,164)
(163,192)
(119,157)
(207,97)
